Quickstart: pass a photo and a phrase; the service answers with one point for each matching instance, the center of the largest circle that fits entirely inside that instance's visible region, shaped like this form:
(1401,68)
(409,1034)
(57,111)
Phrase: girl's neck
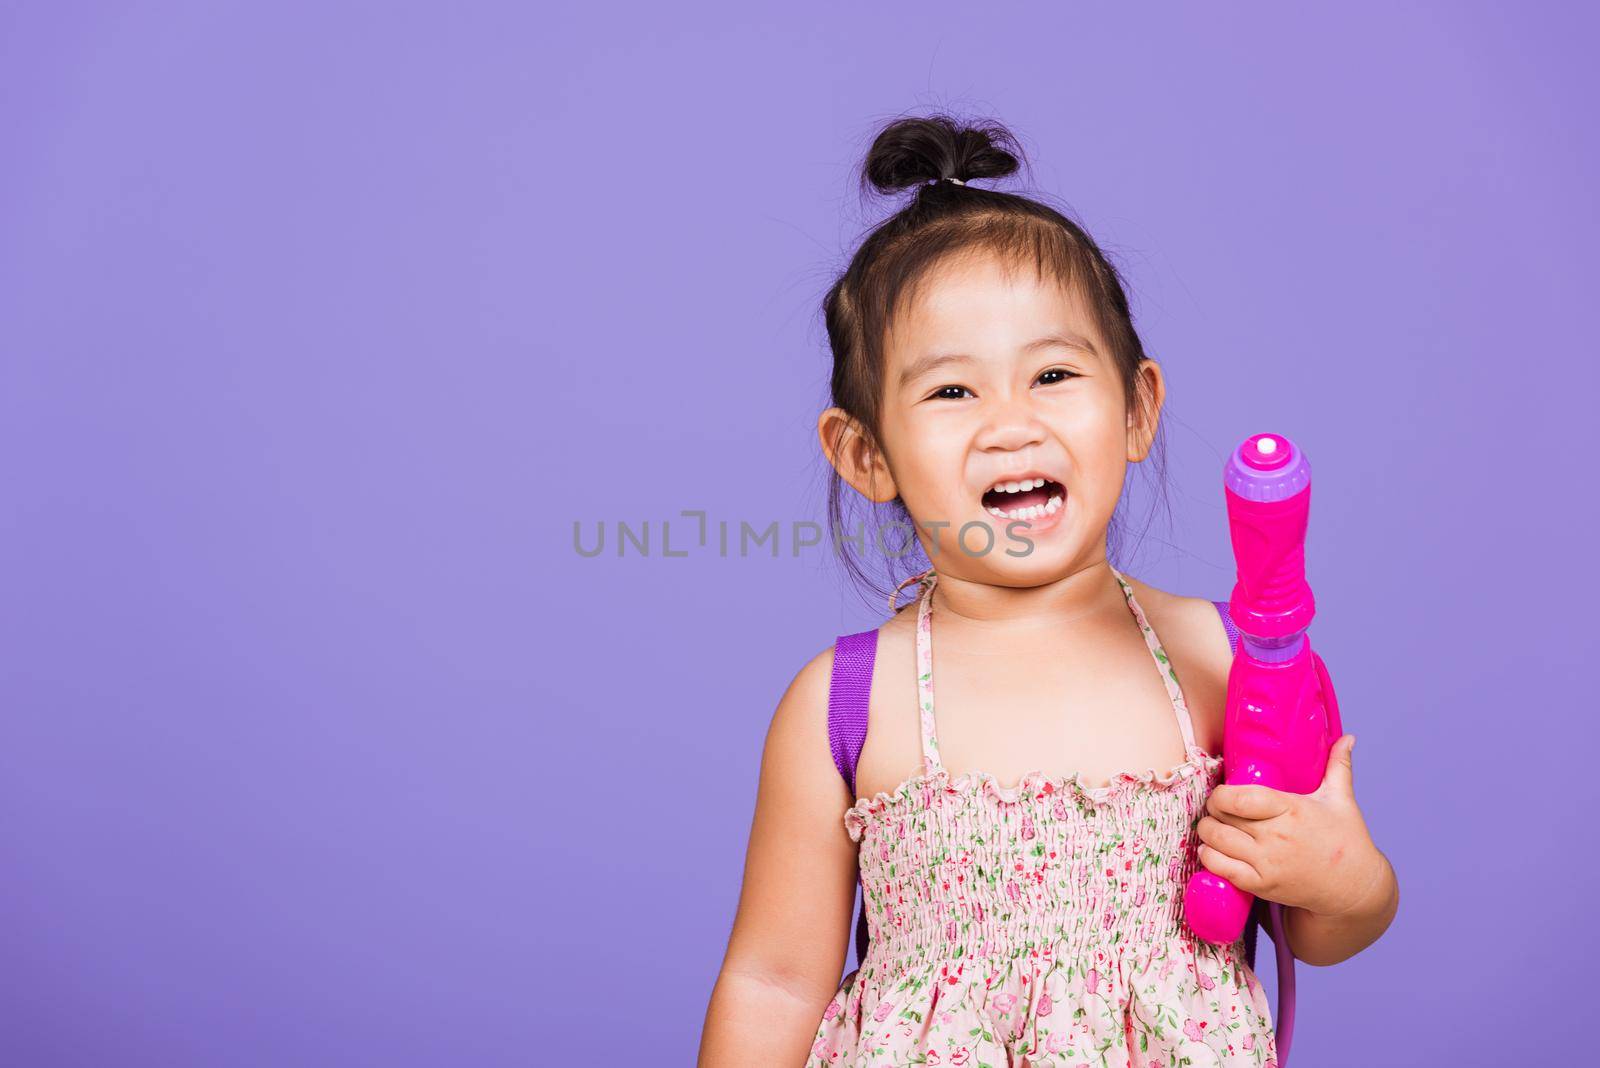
(1004,612)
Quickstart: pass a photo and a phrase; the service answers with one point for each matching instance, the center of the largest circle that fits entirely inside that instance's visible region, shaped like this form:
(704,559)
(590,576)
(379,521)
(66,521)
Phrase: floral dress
(1041,924)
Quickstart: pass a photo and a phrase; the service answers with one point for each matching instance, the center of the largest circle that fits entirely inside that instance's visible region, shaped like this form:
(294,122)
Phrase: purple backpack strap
(848,693)
(1227,623)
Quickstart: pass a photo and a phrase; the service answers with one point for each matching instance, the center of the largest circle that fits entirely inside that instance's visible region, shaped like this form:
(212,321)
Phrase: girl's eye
(954,392)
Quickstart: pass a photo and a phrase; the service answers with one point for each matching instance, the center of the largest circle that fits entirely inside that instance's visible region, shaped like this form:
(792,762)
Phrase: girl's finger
(1222,835)
(1244,824)
(1236,872)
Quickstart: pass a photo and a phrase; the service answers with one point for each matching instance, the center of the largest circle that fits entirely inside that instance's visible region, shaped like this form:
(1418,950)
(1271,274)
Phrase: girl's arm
(786,954)
(1323,940)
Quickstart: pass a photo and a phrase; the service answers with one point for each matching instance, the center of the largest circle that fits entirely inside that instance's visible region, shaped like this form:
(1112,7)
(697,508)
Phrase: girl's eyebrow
(933,361)
(928,363)
(1069,338)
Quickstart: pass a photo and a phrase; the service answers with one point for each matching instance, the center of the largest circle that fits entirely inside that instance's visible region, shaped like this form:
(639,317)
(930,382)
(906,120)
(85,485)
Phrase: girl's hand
(1310,851)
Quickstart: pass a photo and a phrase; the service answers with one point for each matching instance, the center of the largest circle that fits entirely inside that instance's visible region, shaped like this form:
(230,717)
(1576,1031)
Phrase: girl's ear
(1150,391)
(851,451)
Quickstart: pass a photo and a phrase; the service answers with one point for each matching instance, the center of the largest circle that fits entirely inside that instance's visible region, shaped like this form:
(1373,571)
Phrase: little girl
(1022,894)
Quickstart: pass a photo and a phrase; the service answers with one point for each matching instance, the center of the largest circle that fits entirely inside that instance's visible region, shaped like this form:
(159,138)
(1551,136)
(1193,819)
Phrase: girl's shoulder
(1189,620)
(1196,642)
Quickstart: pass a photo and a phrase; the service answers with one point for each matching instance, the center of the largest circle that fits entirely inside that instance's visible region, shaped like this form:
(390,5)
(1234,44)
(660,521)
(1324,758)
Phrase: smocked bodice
(1043,918)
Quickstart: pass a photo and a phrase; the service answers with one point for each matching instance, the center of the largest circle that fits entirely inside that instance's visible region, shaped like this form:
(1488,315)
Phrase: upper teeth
(1017,487)
(1047,508)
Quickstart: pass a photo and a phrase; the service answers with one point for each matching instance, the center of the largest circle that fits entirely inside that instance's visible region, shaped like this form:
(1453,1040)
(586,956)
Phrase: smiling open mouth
(1031,498)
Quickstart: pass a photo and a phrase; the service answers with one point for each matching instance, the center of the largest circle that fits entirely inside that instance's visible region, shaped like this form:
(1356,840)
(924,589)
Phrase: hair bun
(911,152)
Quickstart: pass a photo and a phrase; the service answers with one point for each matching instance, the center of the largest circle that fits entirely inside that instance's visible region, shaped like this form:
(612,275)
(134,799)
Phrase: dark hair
(945,220)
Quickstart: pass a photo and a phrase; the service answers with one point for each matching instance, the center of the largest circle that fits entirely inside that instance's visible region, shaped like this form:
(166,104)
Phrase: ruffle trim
(1207,1001)
(1033,783)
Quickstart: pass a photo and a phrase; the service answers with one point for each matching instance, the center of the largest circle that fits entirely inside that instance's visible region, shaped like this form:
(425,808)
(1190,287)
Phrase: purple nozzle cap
(1266,468)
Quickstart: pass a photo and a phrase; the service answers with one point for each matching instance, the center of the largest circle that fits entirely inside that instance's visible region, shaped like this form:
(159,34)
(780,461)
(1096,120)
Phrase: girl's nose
(1011,425)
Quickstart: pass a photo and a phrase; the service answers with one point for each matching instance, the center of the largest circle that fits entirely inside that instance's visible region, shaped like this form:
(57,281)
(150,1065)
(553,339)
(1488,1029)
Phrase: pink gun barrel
(1282,717)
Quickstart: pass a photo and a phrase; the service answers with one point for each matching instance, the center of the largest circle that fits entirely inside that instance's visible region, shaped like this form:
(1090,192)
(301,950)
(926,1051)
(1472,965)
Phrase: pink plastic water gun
(1282,717)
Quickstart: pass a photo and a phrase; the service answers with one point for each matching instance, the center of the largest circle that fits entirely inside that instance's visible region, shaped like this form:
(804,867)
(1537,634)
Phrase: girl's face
(992,383)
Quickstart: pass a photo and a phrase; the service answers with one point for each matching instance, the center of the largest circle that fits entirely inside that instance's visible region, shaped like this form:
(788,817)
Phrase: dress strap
(923,578)
(1163,664)
(930,737)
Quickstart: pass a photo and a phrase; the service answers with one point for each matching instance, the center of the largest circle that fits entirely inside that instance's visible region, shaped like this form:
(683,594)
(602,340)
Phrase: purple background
(322,324)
